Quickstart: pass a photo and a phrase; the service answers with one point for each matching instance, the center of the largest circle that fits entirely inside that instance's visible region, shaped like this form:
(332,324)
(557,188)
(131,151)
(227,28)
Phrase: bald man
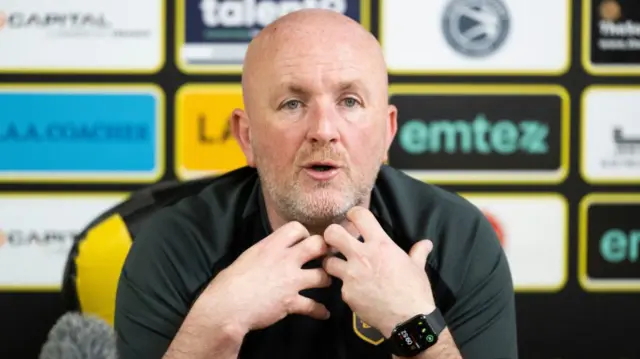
(316,249)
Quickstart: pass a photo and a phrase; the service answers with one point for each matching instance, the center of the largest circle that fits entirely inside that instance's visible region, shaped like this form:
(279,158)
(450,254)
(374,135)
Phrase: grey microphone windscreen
(75,336)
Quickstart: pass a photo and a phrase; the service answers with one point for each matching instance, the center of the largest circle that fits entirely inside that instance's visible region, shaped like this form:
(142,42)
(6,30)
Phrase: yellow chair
(98,253)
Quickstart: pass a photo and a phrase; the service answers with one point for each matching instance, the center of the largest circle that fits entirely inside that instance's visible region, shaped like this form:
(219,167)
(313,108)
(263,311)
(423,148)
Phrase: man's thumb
(420,251)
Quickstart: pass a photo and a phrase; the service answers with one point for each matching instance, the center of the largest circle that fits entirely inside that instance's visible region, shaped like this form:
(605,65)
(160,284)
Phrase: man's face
(320,127)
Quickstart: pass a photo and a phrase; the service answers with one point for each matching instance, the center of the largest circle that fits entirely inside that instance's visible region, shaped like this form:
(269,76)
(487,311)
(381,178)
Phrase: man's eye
(292,105)
(350,102)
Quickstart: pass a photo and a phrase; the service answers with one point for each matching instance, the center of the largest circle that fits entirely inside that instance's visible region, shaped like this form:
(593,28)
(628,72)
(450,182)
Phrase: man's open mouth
(322,168)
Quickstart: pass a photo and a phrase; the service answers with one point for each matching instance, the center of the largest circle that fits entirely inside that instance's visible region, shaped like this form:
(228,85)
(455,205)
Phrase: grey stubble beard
(316,213)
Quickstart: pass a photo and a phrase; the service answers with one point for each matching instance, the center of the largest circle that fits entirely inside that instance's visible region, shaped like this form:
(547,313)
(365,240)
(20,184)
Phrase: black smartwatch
(416,335)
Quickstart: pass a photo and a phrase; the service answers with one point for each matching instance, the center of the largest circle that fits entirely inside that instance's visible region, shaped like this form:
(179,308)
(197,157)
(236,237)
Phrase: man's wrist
(207,333)
(222,321)
(444,348)
(417,334)
(399,318)
(233,332)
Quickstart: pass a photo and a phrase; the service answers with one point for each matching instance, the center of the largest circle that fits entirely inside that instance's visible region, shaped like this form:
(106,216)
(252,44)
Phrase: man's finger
(366,223)
(335,266)
(306,306)
(289,234)
(310,248)
(338,237)
(420,251)
(315,278)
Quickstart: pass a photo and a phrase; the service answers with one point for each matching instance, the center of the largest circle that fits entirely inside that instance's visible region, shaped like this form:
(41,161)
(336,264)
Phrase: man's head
(315,94)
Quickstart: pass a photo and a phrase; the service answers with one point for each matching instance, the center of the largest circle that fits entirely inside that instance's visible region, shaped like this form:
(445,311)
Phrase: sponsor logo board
(204,142)
(59,133)
(481,134)
(476,36)
(212,35)
(80,36)
(610,125)
(611,37)
(37,231)
(533,231)
(609,242)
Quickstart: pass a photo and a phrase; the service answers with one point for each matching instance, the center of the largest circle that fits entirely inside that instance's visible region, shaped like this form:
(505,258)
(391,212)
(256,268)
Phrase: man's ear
(241,132)
(390,129)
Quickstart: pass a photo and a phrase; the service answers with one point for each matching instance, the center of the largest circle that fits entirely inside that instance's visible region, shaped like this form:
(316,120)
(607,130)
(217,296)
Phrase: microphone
(76,336)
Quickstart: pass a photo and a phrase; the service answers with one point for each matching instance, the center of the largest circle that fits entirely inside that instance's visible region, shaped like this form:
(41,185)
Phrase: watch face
(415,335)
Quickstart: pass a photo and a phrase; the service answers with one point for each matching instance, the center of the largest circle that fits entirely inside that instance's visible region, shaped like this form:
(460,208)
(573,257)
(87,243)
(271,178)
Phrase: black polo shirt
(182,247)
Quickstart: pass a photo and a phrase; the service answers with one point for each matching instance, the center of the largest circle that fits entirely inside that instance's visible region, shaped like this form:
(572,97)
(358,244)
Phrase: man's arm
(199,338)
(483,321)
(376,272)
(155,293)
(158,315)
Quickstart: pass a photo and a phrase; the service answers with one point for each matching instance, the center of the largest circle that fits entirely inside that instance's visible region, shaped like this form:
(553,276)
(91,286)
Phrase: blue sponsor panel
(91,134)
(215,33)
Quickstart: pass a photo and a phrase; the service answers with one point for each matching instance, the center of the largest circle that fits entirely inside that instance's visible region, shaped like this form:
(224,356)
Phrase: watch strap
(436,321)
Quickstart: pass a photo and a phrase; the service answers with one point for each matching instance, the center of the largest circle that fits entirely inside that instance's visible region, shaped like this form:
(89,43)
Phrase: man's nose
(323,124)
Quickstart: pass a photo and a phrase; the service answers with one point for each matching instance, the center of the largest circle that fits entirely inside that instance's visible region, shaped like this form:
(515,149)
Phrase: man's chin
(324,208)
(325,197)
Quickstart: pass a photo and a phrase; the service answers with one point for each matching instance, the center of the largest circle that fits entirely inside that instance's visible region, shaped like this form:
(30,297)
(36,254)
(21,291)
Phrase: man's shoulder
(221,196)
(211,211)
(420,200)
(465,244)
(193,234)
(419,210)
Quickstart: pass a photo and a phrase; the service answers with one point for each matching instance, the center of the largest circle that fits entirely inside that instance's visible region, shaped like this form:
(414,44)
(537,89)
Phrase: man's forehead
(301,51)
(301,85)
(311,77)
(310,56)
(321,65)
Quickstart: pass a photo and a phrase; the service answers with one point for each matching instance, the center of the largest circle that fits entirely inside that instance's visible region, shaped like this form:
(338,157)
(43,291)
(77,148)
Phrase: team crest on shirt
(366,332)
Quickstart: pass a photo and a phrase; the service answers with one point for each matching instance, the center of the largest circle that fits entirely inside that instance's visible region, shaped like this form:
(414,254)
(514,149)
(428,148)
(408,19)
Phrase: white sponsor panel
(469,36)
(533,230)
(36,234)
(81,36)
(611,134)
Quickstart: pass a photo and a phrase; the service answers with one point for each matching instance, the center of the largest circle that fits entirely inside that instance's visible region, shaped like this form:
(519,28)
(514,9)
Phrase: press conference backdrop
(531,109)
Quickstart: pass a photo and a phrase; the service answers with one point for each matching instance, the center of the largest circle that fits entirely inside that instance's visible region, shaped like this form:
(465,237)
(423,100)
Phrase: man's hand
(258,289)
(381,283)
(262,285)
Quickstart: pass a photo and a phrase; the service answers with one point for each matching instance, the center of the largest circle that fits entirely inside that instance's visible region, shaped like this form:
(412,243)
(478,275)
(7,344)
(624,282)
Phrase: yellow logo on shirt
(366,332)
(204,142)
